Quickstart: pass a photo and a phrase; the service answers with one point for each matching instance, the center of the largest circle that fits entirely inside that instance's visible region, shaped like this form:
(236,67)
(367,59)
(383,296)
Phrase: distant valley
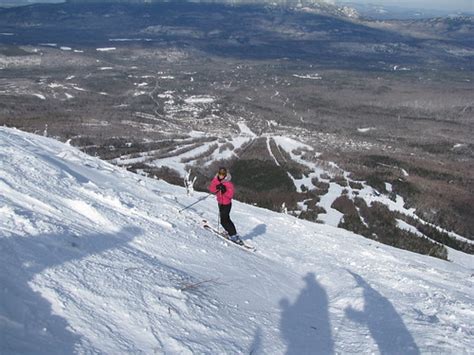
(337,119)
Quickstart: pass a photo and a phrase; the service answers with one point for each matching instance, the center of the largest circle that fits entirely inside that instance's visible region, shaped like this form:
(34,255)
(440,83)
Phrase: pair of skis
(223,236)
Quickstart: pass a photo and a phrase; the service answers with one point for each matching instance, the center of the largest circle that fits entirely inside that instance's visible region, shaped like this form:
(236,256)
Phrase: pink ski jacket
(222,198)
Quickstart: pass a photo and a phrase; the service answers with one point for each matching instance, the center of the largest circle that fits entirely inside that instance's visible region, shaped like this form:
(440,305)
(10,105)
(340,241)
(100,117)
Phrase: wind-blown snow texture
(95,259)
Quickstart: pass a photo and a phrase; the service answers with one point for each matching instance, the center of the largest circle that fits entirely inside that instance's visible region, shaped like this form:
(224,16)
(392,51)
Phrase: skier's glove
(221,188)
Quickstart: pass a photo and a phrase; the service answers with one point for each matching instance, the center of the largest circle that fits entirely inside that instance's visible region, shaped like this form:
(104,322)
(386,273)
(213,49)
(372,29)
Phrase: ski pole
(196,202)
(218,220)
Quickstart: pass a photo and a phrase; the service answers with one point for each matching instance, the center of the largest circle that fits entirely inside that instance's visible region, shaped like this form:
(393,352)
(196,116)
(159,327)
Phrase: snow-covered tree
(189,183)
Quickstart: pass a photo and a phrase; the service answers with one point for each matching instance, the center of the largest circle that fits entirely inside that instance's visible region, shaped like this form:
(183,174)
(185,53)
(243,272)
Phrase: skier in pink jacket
(224,190)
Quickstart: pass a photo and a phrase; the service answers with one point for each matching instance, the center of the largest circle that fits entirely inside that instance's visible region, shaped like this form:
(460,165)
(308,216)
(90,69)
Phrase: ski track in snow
(271,153)
(98,260)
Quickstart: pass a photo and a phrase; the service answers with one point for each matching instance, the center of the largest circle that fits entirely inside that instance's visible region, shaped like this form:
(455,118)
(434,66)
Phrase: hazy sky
(455,5)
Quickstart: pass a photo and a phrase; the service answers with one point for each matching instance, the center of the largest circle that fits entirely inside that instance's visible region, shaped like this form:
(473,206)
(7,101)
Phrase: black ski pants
(226,222)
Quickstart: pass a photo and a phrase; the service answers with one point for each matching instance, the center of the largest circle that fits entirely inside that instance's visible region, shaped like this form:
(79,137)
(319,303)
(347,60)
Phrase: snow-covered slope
(95,259)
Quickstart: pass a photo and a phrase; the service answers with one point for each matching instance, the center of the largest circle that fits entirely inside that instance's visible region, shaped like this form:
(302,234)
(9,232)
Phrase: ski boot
(236,239)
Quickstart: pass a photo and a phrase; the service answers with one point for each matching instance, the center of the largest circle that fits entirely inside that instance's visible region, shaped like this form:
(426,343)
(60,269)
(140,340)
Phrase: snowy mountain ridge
(99,260)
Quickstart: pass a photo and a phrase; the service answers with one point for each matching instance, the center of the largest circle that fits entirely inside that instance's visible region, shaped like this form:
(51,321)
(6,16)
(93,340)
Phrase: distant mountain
(235,2)
(321,6)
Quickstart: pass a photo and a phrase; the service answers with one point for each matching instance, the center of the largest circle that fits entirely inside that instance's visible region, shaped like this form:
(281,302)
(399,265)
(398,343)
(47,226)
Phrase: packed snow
(199,99)
(314,76)
(40,96)
(365,129)
(245,130)
(130,39)
(106,49)
(96,259)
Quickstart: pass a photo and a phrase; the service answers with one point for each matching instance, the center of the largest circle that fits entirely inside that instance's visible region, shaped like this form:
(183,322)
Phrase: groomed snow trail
(98,260)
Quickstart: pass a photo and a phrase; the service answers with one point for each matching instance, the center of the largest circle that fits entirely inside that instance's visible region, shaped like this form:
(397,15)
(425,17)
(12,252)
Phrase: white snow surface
(106,49)
(95,259)
(199,99)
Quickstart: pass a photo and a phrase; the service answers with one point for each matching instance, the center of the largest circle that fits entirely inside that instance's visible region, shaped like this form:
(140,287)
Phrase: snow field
(98,260)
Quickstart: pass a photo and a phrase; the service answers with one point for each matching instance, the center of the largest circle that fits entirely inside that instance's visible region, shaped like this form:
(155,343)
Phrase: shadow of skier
(256,231)
(305,325)
(385,324)
(27,322)
(255,347)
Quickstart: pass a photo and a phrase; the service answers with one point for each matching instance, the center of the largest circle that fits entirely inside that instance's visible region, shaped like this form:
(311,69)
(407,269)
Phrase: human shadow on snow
(256,231)
(385,325)
(256,346)
(305,324)
(27,323)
